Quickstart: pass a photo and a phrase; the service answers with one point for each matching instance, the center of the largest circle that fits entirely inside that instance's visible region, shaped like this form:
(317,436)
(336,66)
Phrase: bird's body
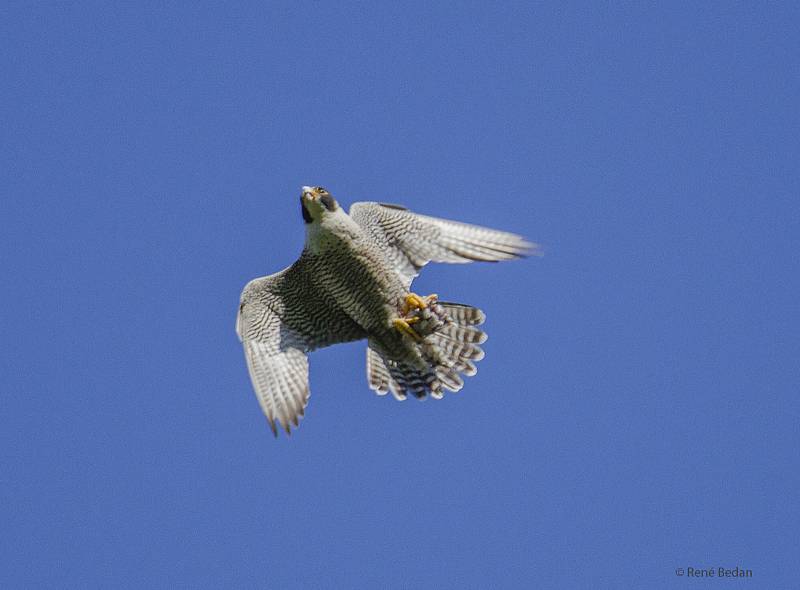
(353,272)
(351,282)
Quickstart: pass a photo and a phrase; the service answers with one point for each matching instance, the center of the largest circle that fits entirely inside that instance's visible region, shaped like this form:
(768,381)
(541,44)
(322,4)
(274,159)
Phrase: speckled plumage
(350,283)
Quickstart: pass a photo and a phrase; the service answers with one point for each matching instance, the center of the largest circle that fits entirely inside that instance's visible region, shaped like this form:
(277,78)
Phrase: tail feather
(449,378)
(448,353)
(459,333)
(463,315)
(377,373)
(411,379)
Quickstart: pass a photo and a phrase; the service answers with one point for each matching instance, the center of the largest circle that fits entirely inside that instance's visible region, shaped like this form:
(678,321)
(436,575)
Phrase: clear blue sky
(637,410)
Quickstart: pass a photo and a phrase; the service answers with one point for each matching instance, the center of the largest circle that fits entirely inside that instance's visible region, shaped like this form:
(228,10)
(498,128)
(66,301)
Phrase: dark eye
(327,200)
(321,190)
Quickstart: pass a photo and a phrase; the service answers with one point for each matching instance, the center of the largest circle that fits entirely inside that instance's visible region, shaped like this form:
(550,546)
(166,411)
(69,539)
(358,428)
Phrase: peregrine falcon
(353,282)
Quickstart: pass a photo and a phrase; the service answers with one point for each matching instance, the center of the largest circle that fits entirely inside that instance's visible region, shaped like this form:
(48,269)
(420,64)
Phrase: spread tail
(449,351)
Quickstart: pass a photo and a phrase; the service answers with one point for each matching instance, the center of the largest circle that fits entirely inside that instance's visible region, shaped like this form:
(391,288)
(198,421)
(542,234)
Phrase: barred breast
(354,275)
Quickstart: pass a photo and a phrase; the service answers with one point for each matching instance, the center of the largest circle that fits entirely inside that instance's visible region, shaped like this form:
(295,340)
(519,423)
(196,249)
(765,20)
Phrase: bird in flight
(353,282)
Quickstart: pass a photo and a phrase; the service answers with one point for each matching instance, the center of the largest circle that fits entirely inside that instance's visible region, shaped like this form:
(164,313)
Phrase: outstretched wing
(281,318)
(410,240)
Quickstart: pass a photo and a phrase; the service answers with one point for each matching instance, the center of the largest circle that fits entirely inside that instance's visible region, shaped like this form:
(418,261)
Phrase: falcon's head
(315,202)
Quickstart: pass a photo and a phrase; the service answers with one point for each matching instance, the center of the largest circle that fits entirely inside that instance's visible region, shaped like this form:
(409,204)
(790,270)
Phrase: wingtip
(530,249)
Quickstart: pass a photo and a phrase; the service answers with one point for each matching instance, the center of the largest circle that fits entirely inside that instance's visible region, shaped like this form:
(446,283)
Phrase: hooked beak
(310,193)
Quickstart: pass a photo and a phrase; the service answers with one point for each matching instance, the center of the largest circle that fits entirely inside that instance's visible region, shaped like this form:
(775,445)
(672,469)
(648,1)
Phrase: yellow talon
(403,326)
(413,301)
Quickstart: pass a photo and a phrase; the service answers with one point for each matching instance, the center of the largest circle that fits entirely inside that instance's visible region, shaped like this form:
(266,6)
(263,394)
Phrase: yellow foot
(404,326)
(414,301)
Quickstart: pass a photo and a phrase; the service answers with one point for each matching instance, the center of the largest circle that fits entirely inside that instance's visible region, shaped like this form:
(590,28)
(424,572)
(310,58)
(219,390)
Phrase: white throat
(331,229)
